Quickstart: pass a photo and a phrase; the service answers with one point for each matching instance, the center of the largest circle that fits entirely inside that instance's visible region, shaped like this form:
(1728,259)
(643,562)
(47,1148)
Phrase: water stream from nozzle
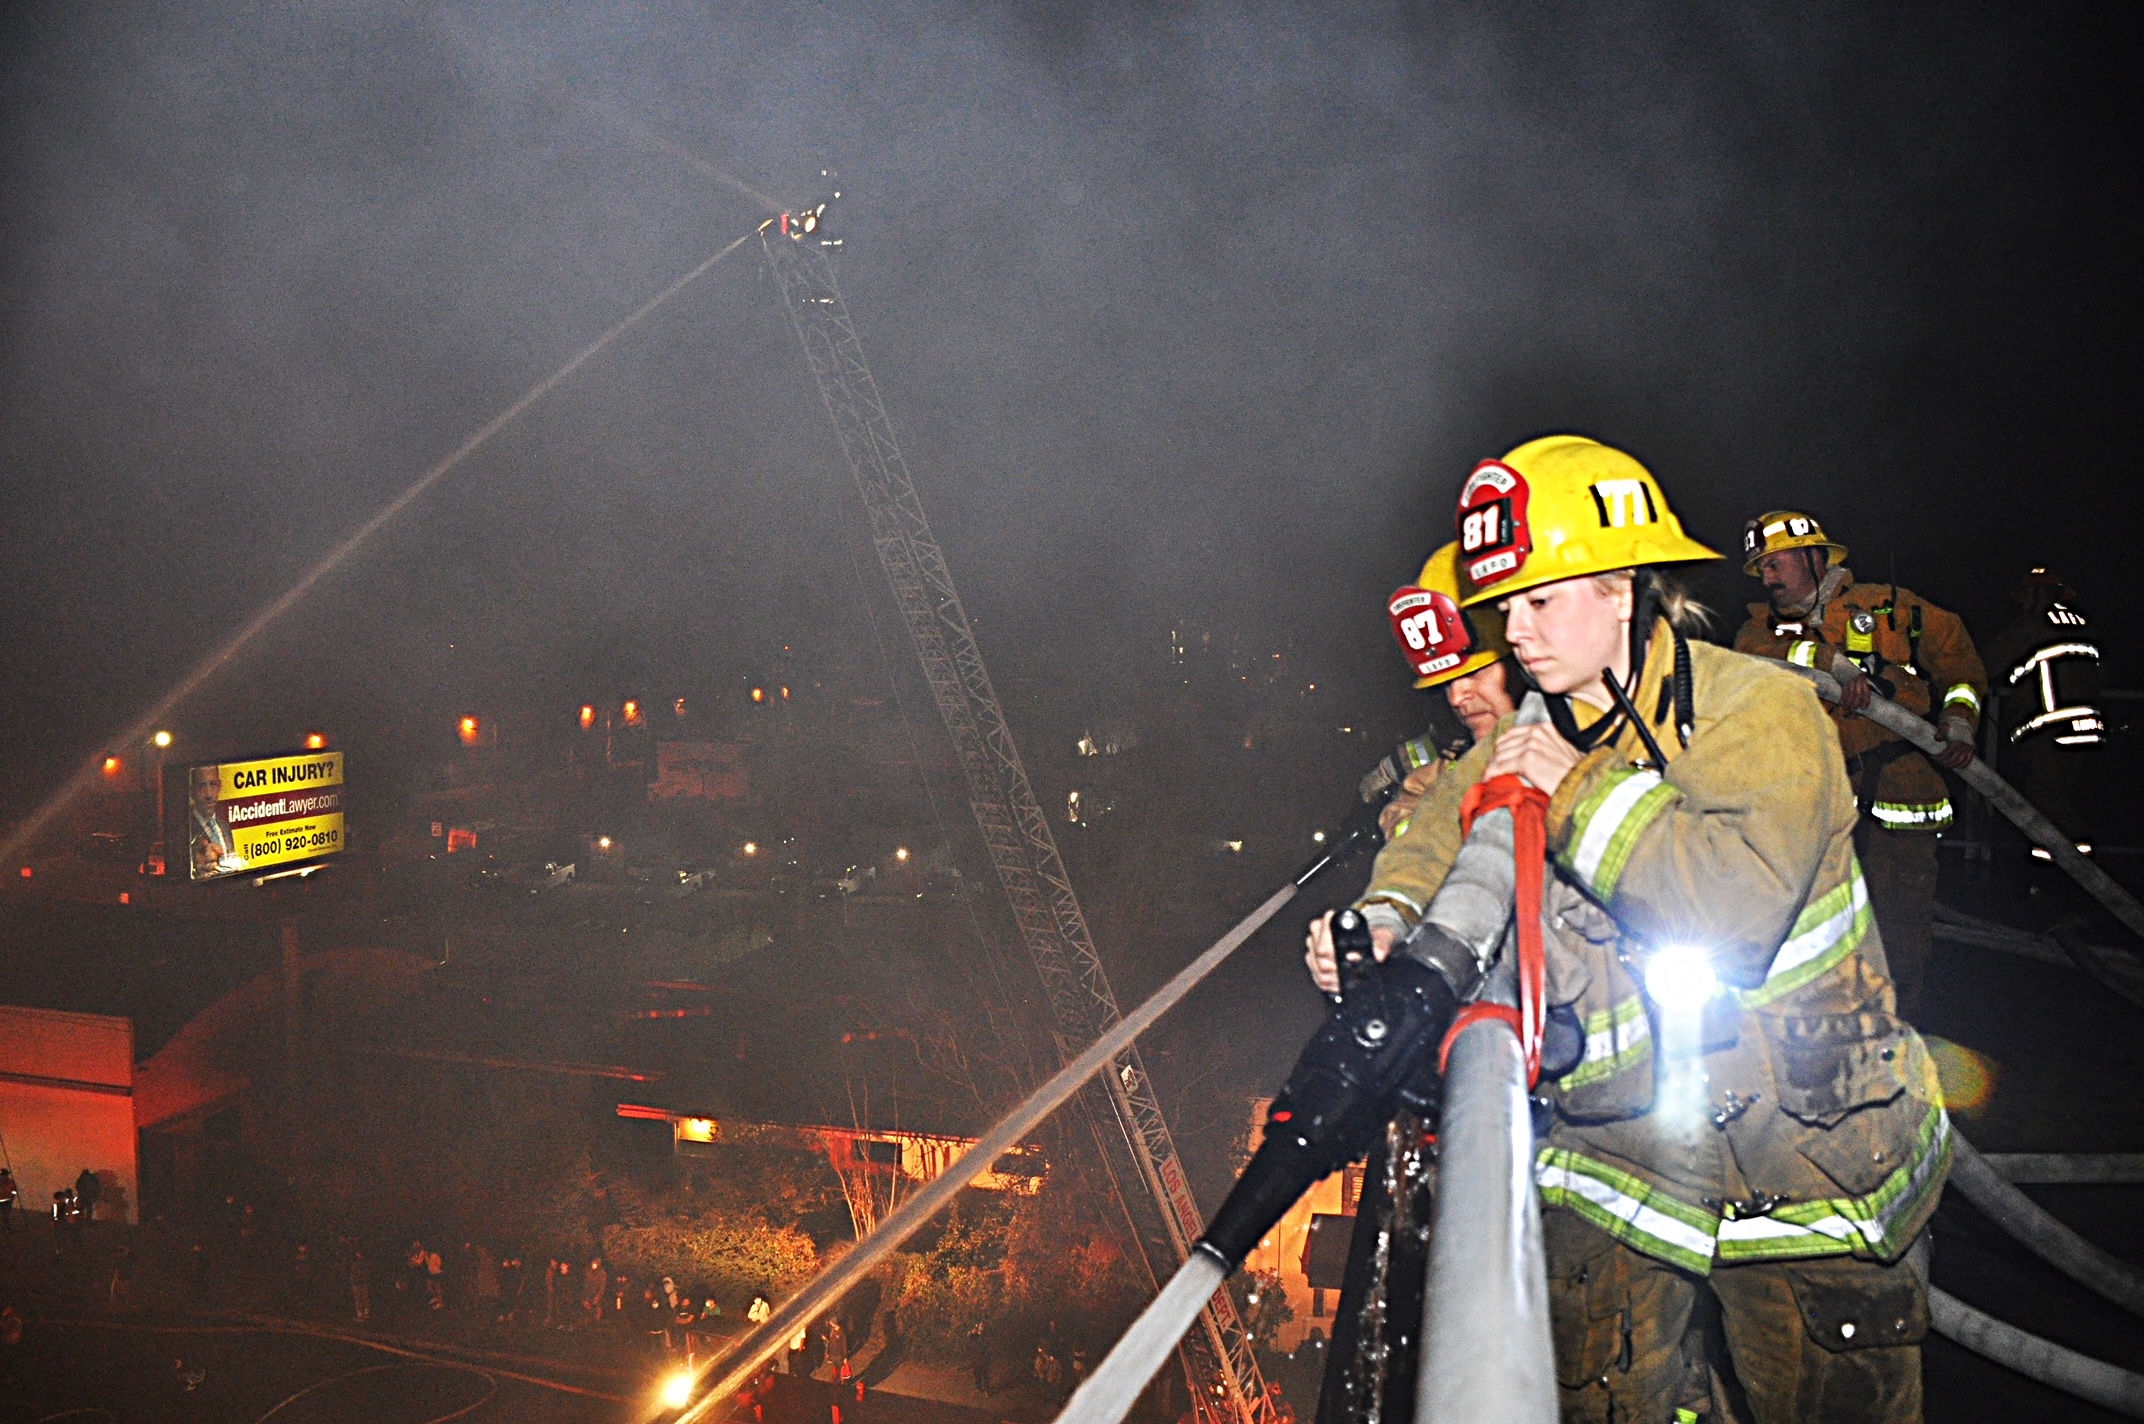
(138,731)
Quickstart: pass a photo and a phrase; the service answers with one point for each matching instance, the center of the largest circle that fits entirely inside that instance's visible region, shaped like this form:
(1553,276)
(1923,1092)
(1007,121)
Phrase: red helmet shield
(1434,636)
(1493,538)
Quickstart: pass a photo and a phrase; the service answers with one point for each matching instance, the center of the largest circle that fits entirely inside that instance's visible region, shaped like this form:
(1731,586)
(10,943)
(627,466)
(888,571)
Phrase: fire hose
(2043,1360)
(1488,1354)
(2048,1238)
(2000,794)
(2011,1209)
(752,1354)
(1487,1261)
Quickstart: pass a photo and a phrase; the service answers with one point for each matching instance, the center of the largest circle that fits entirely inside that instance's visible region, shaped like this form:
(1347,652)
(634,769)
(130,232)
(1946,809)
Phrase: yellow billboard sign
(245,816)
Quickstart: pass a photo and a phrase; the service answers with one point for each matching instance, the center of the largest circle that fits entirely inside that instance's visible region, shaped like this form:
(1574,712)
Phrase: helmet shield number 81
(1434,636)
(1493,538)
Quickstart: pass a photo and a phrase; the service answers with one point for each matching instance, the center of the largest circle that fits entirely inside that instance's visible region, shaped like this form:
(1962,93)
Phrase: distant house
(203,1100)
(1307,1248)
(67,1102)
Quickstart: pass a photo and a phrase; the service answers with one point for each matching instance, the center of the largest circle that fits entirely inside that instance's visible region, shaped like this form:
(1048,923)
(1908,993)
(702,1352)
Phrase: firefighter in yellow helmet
(1748,1117)
(1460,650)
(1874,637)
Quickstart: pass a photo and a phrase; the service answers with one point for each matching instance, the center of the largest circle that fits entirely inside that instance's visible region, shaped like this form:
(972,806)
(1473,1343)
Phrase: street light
(161,740)
(315,741)
(471,729)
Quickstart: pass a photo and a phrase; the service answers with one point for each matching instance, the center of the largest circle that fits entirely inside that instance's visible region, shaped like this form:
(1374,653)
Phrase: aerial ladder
(1218,1357)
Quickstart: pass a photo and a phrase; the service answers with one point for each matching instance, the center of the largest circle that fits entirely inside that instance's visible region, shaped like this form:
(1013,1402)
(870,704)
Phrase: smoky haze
(1188,313)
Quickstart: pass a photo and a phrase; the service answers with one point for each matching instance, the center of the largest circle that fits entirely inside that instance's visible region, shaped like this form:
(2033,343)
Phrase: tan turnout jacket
(1912,644)
(1808,1121)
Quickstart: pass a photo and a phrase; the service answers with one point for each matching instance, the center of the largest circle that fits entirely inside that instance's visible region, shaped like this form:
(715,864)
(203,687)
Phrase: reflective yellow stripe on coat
(1646,1218)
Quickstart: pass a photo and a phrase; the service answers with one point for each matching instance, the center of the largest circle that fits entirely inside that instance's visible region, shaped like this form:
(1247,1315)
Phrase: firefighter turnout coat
(1895,635)
(1797,1117)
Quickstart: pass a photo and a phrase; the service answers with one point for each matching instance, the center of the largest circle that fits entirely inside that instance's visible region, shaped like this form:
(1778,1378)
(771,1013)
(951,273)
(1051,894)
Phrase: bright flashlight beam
(208,667)
(1680,978)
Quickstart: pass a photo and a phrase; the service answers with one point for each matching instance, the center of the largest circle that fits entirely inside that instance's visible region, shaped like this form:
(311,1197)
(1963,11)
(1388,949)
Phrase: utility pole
(1226,1385)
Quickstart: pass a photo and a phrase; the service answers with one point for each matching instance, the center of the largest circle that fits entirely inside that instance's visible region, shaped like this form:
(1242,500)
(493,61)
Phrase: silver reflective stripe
(1770,1228)
(1606,820)
(1652,1226)
(1376,893)
(1811,943)
(2060,714)
(1615,1038)
(1896,814)
(2049,654)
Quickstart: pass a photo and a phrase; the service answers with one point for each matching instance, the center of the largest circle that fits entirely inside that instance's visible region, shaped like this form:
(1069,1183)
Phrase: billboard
(247,816)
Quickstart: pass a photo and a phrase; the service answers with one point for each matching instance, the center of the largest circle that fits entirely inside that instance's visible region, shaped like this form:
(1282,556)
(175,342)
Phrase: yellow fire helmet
(1441,642)
(1785,529)
(1561,507)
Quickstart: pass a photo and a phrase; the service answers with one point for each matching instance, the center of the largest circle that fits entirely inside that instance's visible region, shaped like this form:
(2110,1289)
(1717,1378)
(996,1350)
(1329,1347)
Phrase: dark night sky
(1183,309)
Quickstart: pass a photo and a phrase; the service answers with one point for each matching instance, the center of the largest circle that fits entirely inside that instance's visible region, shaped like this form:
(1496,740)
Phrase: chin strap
(1529,822)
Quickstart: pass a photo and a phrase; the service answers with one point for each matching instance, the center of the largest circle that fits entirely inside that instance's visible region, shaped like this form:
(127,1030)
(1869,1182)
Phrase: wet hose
(2055,1366)
(2062,946)
(2000,794)
(2047,1238)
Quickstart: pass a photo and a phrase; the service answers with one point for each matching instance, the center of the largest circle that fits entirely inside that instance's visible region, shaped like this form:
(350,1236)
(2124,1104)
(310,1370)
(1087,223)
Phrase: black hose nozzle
(1375,1054)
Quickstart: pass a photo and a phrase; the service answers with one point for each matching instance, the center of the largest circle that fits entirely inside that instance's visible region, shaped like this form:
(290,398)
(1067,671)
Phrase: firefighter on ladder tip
(1874,637)
(1748,1119)
(2047,673)
(1459,650)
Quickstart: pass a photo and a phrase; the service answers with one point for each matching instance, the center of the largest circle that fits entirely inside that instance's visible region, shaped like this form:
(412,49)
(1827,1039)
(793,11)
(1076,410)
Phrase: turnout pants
(1825,1341)
(1900,867)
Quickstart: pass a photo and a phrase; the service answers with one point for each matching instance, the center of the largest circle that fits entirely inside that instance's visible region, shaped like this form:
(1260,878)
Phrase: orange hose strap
(1529,817)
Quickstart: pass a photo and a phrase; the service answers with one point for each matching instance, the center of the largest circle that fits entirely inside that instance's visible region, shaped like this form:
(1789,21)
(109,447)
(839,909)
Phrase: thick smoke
(1194,312)
(1190,318)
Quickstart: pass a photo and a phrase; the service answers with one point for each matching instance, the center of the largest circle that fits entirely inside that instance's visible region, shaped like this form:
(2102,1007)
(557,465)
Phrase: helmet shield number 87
(1434,636)
(1493,538)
